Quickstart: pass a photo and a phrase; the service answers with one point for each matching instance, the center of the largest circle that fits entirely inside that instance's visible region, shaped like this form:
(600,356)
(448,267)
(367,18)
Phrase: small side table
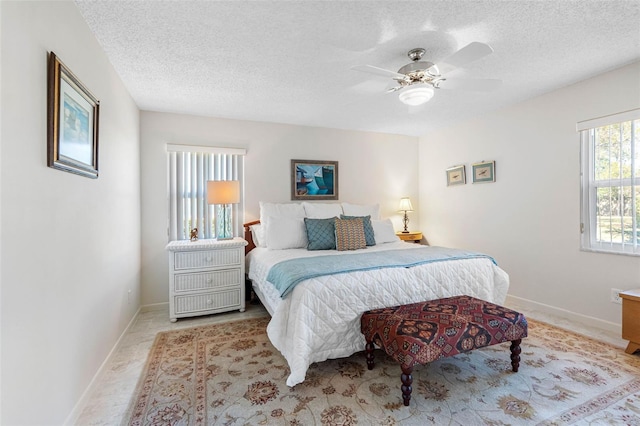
(414,236)
(631,319)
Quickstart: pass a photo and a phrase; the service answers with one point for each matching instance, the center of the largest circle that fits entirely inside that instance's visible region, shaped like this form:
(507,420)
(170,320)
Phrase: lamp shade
(417,94)
(223,191)
(405,205)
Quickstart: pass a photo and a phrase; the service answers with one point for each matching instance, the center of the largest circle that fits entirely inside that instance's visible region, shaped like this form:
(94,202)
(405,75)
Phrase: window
(190,167)
(610,169)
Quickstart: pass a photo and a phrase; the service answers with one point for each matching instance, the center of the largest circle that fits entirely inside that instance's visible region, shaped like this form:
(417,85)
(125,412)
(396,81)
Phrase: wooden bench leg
(515,354)
(407,379)
(369,354)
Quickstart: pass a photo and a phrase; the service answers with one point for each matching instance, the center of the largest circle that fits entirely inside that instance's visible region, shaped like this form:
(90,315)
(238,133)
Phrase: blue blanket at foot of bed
(287,274)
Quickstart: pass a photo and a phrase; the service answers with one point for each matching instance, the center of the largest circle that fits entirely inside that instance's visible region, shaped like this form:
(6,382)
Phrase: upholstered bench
(423,332)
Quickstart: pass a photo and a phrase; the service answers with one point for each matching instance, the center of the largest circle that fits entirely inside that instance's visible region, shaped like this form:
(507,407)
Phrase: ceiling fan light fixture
(416,95)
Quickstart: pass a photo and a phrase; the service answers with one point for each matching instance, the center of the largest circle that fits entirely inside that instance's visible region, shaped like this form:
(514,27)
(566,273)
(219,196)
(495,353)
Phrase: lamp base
(224,226)
(405,222)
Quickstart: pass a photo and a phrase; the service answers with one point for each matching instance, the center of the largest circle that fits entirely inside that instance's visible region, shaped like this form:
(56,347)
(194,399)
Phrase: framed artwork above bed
(314,180)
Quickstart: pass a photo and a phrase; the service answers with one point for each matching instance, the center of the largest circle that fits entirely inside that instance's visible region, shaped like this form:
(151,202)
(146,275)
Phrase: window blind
(190,167)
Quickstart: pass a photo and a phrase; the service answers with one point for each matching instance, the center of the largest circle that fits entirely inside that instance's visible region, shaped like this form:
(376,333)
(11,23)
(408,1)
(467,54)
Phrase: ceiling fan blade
(378,71)
(478,85)
(471,52)
(370,86)
(394,89)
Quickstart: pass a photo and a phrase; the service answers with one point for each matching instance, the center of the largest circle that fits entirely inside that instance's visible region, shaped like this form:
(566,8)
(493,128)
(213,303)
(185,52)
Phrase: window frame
(589,186)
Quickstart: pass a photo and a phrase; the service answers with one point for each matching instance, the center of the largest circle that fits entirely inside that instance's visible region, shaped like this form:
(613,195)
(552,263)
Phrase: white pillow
(372,210)
(322,210)
(257,233)
(268,210)
(286,233)
(383,231)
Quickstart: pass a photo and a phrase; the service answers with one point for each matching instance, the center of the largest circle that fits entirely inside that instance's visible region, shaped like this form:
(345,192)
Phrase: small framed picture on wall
(456,175)
(484,172)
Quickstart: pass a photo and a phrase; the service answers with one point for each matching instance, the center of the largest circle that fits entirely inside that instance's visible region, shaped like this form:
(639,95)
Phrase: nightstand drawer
(207,302)
(208,280)
(207,259)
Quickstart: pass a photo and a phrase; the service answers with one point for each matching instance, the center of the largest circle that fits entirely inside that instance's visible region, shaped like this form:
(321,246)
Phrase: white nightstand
(205,277)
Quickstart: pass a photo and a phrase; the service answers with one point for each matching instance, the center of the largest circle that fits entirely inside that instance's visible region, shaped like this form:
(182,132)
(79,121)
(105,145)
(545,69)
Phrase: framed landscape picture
(456,175)
(314,180)
(72,122)
(484,172)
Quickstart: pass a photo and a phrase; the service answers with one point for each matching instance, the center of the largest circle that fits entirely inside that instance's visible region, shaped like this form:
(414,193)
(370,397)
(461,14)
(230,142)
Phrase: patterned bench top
(422,332)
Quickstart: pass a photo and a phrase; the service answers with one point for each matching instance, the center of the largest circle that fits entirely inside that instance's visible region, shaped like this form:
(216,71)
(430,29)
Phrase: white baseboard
(562,313)
(72,418)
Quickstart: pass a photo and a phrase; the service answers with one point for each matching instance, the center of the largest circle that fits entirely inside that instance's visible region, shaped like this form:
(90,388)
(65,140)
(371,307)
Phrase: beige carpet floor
(230,374)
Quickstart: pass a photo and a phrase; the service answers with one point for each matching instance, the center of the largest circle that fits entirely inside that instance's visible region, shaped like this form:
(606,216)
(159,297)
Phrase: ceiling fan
(418,79)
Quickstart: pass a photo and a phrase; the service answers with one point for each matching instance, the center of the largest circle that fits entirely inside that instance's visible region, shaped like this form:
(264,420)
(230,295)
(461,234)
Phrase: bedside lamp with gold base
(406,235)
(405,206)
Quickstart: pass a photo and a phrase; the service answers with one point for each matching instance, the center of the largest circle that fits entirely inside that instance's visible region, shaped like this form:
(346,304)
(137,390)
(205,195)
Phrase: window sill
(603,251)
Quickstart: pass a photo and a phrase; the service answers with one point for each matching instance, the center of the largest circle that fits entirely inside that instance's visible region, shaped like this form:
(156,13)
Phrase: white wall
(373,168)
(0,217)
(70,245)
(529,219)
(1,91)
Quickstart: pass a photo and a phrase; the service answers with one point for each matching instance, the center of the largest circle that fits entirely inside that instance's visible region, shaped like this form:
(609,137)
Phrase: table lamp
(405,206)
(223,192)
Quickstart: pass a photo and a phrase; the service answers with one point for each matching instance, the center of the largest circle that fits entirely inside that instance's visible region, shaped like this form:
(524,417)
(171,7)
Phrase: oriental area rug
(230,374)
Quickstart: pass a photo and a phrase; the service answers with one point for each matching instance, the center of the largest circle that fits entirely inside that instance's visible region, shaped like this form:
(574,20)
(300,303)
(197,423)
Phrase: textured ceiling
(289,61)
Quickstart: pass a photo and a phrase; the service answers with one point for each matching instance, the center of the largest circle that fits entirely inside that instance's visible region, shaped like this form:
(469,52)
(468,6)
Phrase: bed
(319,318)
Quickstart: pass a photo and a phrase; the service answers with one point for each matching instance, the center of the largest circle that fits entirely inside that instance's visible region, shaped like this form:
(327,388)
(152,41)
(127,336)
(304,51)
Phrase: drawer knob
(209,281)
(209,302)
(209,259)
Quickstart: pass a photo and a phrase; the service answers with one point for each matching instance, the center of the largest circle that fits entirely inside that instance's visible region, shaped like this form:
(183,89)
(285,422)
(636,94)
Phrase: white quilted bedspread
(320,319)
